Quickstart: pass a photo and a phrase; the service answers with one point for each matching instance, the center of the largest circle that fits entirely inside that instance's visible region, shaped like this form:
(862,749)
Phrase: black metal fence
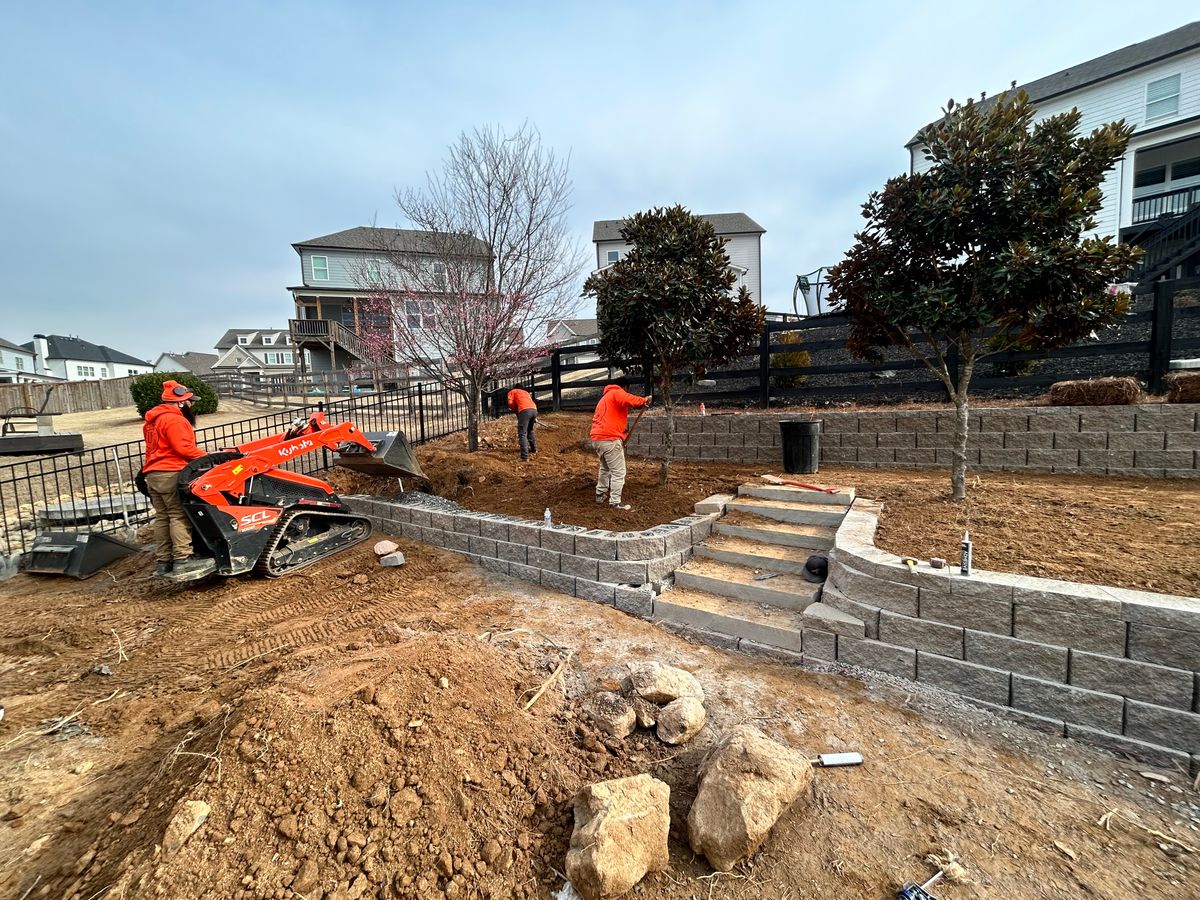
(93,491)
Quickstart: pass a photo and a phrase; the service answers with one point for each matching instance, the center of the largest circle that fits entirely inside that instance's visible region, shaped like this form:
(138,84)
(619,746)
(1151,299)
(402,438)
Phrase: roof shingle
(724,223)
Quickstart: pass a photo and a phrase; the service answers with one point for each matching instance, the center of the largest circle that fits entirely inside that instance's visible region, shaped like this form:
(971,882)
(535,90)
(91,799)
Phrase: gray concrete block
(916,457)
(941,440)
(597,543)
(1162,610)
(1003,420)
(1064,629)
(527,533)
(1162,459)
(969,612)
(1107,419)
(1159,725)
(1002,458)
(442,520)
(1068,596)
(987,585)
(838,454)
(871,654)
(1124,746)
(864,441)
(824,617)
(543,558)
(1029,440)
(713,504)
(1080,440)
(466,523)
(525,573)
(699,635)
(455,541)
(514,553)
(560,538)
(637,601)
(1171,417)
(597,592)
(1141,440)
(921,634)
(946,457)
(868,615)
(420,517)
(916,421)
(639,545)
(837,422)
(1044,724)
(617,572)
(897,440)
(1183,440)
(819,644)
(1042,661)
(1056,459)
(676,538)
(556,581)
(971,679)
(579,566)
(779,654)
(660,568)
(1071,704)
(499,566)
(728,440)
(1138,680)
(1063,420)
(877,422)
(876,455)
(900,598)
(1106,459)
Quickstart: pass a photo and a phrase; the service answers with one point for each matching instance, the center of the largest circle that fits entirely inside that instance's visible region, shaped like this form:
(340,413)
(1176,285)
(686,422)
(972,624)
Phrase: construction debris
(620,835)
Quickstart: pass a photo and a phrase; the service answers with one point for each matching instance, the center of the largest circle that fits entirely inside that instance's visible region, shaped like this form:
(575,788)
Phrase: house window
(20,363)
(439,274)
(85,371)
(287,359)
(243,339)
(613,256)
(373,271)
(131,371)
(1149,177)
(1189,168)
(320,268)
(104,373)
(1162,97)
(267,340)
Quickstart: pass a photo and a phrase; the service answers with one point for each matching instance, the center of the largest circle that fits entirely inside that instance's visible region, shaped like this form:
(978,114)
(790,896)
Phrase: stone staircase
(745,582)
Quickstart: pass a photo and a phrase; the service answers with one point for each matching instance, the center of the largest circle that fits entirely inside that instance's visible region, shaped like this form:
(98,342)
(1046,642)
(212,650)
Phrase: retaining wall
(622,568)
(1153,440)
(1114,667)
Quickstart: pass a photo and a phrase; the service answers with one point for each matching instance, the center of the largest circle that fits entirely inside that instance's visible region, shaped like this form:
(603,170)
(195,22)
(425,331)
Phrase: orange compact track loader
(247,513)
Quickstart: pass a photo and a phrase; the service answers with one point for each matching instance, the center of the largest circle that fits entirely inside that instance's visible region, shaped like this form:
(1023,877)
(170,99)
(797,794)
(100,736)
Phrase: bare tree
(469,297)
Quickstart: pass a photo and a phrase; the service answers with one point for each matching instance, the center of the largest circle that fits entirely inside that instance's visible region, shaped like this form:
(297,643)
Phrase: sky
(158,160)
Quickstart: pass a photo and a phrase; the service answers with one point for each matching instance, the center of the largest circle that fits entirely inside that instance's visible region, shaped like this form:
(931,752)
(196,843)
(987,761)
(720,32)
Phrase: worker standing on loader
(170,445)
(609,433)
(521,402)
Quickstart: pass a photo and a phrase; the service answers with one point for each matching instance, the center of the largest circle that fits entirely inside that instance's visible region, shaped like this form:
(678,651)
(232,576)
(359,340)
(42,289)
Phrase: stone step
(727,580)
(827,618)
(795,512)
(769,531)
(757,555)
(734,618)
(844,496)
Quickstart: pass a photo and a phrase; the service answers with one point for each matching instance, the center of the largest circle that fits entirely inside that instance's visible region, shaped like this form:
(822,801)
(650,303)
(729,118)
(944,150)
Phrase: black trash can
(801,447)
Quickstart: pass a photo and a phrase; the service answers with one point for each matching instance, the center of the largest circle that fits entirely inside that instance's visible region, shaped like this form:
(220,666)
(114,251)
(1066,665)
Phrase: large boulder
(746,783)
(620,835)
(662,684)
(612,713)
(680,720)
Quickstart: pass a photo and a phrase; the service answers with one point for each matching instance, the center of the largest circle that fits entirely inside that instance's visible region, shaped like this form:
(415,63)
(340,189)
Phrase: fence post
(764,367)
(421,409)
(556,379)
(1162,323)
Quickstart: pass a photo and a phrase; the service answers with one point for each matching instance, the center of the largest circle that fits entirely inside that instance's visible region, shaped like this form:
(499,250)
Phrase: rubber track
(263,566)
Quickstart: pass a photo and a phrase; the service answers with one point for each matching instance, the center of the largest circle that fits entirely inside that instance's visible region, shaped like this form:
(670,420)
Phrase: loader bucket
(77,555)
(393,457)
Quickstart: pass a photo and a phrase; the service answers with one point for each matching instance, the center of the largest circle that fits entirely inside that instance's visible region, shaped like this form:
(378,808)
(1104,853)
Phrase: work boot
(624,506)
(163,568)
(193,567)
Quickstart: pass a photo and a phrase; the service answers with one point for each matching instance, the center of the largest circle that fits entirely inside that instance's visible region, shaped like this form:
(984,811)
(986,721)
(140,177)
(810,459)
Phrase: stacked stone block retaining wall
(1115,667)
(1153,440)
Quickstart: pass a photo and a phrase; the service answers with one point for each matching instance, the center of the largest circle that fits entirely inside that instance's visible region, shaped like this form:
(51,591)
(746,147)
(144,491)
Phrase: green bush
(147,391)
(793,359)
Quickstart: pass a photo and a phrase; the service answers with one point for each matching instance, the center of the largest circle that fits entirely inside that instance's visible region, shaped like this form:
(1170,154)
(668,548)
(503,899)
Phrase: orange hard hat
(174,392)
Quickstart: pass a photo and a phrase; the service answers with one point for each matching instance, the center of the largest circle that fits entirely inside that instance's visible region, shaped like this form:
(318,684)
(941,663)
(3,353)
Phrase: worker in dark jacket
(170,445)
(609,433)
(521,402)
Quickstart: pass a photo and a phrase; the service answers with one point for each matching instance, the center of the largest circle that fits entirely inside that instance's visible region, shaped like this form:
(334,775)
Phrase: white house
(1152,196)
(75,359)
(199,364)
(259,352)
(743,245)
(16,364)
(571,331)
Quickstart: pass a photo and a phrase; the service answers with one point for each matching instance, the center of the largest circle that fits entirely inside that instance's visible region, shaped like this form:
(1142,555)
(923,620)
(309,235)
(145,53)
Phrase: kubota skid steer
(249,514)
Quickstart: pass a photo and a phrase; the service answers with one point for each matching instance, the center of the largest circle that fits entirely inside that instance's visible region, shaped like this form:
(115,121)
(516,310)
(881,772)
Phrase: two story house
(74,359)
(743,245)
(198,364)
(260,353)
(16,364)
(1152,195)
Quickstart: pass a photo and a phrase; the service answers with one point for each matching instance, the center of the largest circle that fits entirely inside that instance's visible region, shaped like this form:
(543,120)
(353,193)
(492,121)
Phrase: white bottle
(965,550)
(546,517)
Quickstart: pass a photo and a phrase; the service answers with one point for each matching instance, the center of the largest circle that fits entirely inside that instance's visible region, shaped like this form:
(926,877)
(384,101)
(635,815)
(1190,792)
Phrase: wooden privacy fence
(69,396)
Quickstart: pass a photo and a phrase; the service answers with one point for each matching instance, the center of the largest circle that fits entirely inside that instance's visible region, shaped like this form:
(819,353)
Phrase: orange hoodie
(519,400)
(170,439)
(612,413)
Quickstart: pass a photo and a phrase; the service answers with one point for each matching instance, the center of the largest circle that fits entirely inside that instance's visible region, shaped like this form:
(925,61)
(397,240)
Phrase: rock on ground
(620,835)
(746,783)
(383,548)
(662,684)
(612,713)
(188,816)
(647,712)
(680,720)
(395,558)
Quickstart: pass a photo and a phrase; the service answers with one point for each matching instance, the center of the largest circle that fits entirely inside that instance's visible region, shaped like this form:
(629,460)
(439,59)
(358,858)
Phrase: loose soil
(121,424)
(311,714)
(1124,532)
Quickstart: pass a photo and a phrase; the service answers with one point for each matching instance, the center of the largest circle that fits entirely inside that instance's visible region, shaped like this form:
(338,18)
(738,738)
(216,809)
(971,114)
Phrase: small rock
(404,805)
(445,864)
(289,827)
(18,810)
(307,878)
(392,559)
(620,835)
(647,712)
(82,768)
(101,670)
(680,720)
(187,818)
(662,684)
(443,682)
(359,579)
(383,548)
(491,851)
(612,713)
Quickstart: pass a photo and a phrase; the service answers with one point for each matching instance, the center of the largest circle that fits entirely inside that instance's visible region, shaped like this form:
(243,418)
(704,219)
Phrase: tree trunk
(474,415)
(958,471)
(668,444)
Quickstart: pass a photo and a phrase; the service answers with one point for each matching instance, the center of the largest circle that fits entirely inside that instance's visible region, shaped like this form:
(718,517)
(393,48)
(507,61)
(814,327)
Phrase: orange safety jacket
(170,439)
(519,400)
(612,413)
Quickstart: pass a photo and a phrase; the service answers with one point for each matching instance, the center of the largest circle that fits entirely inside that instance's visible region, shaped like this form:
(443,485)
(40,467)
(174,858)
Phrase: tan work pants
(172,533)
(612,471)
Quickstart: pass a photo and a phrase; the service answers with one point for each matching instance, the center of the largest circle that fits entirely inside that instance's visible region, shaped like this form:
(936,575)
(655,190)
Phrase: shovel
(775,479)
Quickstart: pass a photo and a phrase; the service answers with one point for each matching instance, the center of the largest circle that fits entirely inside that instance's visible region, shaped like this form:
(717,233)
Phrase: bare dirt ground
(309,714)
(121,424)
(1134,533)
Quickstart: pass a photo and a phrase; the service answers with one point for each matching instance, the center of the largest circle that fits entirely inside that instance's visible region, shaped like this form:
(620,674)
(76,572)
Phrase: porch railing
(327,330)
(1168,203)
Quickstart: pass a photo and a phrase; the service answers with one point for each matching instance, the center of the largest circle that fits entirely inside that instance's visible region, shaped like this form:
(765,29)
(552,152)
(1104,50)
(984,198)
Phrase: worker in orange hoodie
(521,402)
(608,434)
(170,445)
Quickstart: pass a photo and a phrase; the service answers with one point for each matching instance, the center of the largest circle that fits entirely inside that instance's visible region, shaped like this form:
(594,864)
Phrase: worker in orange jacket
(170,445)
(521,402)
(608,434)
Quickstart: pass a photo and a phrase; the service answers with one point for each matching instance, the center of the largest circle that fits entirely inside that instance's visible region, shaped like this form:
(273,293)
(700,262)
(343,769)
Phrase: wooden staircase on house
(745,582)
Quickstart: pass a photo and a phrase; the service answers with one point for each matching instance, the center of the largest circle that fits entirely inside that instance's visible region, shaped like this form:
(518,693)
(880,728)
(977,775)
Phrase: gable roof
(196,363)
(1180,40)
(60,346)
(230,338)
(399,240)
(9,345)
(724,223)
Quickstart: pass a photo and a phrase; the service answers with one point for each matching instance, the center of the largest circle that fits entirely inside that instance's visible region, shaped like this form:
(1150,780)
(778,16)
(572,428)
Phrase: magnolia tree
(666,309)
(985,253)
(468,298)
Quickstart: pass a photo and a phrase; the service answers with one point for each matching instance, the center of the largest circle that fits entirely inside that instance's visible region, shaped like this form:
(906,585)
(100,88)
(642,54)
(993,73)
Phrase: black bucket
(393,457)
(801,447)
(77,555)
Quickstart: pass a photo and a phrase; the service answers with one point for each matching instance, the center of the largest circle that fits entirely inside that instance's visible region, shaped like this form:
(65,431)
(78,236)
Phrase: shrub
(146,391)
(1183,387)
(1096,392)
(792,359)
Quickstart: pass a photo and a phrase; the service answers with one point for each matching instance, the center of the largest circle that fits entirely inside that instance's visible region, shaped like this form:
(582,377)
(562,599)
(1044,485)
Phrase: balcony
(1167,203)
(328,333)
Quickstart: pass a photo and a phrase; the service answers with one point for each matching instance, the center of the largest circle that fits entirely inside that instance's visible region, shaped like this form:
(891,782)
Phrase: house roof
(575,326)
(9,345)
(399,240)
(724,223)
(1143,53)
(62,347)
(230,338)
(196,363)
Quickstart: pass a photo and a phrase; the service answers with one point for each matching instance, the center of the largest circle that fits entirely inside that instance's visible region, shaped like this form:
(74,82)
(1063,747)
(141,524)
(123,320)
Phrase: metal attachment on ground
(833,760)
(816,569)
(910,890)
(937,562)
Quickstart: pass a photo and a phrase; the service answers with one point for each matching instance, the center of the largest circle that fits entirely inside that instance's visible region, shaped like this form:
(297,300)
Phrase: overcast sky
(158,160)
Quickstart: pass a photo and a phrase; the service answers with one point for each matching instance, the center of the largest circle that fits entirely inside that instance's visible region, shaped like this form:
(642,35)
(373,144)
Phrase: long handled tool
(636,419)
(775,479)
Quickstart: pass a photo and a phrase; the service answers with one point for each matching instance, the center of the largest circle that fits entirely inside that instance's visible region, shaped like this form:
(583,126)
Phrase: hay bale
(1096,392)
(1183,387)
